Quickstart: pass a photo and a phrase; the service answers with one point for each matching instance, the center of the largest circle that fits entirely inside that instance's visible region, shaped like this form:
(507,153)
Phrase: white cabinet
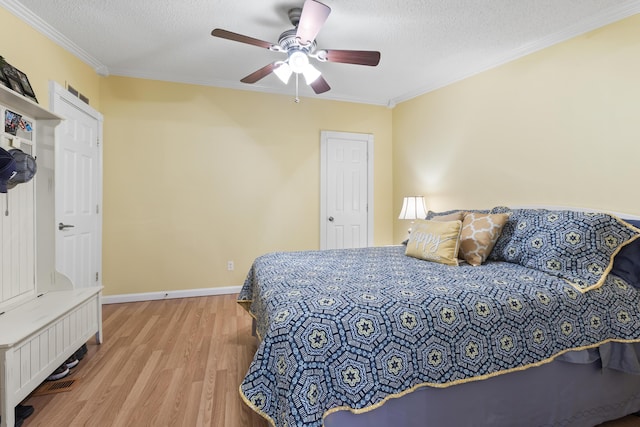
(43,319)
(17,215)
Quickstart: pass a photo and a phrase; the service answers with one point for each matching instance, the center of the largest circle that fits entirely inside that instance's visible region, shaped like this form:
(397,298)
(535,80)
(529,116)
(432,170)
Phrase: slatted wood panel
(17,244)
(166,363)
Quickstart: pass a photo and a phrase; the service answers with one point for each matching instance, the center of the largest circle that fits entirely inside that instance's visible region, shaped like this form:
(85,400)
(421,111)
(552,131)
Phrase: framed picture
(15,85)
(11,122)
(8,70)
(3,77)
(24,82)
(4,74)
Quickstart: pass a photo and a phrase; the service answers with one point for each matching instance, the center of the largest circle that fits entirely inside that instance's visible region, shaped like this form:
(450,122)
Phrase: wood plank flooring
(166,363)
(172,363)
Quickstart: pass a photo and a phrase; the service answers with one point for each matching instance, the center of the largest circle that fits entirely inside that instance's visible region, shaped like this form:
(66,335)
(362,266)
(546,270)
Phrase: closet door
(78,186)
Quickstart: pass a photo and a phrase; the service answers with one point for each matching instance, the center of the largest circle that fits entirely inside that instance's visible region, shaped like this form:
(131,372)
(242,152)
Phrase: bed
(541,330)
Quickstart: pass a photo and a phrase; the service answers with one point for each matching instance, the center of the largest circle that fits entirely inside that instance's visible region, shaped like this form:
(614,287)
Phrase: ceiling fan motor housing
(289,41)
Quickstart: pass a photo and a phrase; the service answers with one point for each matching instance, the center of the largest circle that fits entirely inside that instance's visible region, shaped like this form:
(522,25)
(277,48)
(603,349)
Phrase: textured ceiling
(424,44)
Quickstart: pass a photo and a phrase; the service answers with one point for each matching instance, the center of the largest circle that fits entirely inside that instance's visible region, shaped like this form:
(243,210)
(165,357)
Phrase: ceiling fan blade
(320,85)
(314,14)
(259,74)
(224,34)
(359,57)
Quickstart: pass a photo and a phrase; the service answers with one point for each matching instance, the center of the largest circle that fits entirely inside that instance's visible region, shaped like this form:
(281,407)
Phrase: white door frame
(57,93)
(324,138)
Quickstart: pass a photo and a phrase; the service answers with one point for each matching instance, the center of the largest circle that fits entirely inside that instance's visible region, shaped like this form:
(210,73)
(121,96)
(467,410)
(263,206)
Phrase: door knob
(62,226)
(330,219)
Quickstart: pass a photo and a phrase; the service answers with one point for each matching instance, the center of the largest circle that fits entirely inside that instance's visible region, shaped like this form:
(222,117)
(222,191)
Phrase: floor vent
(59,386)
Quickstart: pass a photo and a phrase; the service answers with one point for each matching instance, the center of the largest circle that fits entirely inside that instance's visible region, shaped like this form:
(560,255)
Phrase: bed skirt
(579,393)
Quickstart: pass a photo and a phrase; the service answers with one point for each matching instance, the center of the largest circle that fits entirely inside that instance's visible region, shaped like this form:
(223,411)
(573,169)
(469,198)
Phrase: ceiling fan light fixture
(311,74)
(299,43)
(283,71)
(298,61)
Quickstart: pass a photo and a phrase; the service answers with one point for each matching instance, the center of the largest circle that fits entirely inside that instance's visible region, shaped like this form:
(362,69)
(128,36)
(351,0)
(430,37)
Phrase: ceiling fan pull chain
(297,99)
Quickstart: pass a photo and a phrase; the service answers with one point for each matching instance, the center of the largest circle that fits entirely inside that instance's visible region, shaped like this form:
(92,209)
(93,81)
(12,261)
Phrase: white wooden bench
(40,335)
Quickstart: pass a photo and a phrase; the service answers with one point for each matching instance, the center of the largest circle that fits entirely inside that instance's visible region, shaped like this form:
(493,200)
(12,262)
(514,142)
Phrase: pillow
(576,246)
(626,264)
(431,215)
(455,216)
(634,222)
(499,252)
(479,234)
(436,241)
(500,209)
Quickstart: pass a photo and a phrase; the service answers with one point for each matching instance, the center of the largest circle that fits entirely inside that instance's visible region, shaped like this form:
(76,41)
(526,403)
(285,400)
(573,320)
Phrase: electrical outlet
(230,265)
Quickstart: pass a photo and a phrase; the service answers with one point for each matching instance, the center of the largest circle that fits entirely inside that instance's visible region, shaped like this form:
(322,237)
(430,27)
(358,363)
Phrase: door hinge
(96,276)
(98,142)
(97,209)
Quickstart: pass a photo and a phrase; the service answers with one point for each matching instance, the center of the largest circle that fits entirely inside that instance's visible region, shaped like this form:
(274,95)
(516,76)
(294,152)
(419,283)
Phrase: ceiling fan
(299,43)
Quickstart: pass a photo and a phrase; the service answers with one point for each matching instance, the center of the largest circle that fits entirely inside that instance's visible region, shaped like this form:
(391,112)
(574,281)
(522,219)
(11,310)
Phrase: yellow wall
(557,127)
(196,176)
(42,60)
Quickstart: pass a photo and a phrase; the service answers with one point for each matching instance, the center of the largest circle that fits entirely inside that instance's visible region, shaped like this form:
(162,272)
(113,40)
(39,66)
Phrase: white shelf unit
(44,319)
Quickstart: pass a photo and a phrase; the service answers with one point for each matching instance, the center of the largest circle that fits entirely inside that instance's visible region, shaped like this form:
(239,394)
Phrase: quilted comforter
(349,329)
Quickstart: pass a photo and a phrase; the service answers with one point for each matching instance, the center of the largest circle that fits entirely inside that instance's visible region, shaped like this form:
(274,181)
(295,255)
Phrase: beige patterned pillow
(479,234)
(435,241)
(455,216)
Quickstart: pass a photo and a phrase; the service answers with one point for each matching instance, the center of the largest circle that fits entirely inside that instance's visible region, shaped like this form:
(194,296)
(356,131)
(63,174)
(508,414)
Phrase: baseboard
(152,296)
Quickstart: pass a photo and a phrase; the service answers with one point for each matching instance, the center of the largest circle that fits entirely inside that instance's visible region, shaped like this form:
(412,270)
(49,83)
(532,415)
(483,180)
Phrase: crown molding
(25,14)
(455,74)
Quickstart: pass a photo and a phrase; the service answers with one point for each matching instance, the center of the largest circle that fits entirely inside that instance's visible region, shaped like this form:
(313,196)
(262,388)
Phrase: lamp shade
(310,74)
(413,207)
(283,71)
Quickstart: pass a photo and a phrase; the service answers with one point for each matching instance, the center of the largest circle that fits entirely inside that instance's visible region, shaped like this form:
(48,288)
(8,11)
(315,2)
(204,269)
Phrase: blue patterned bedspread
(348,329)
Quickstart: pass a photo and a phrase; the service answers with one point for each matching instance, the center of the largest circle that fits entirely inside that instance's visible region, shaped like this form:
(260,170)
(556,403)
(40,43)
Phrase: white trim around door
(325,191)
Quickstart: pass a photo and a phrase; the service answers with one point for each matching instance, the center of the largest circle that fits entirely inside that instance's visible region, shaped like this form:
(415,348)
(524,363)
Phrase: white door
(78,190)
(346,207)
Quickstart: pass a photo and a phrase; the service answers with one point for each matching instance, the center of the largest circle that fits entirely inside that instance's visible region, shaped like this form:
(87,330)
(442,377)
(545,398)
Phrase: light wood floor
(172,363)
(166,363)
